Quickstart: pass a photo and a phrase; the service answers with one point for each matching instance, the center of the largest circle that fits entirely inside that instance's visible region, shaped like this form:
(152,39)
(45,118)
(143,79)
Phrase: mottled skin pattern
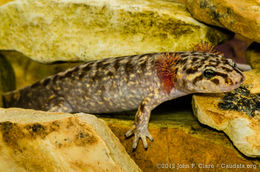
(132,82)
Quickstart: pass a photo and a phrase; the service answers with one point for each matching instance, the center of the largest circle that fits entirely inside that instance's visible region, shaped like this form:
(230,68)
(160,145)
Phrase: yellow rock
(180,141)
(4,1)
(70,30)
(242,17)
(253,56)
(43,141)
(253,81)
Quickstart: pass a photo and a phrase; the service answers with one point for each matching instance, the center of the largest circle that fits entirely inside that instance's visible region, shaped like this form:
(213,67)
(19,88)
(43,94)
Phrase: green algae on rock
(69,30)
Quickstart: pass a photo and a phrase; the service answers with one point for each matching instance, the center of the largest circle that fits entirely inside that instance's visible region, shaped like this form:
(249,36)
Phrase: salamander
(139,82)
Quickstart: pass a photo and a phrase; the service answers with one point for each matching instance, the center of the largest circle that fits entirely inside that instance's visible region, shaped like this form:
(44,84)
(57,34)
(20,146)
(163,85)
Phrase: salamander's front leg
(140,127)
(142,117)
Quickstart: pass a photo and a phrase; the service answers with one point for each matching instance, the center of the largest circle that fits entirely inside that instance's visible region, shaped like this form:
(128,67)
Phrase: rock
(7,76)
(241,119)
(44,141)
(72,30)
(180,140)
(4,1)
(253,56)
(25,68)
(253,81)
(235,49)
(242,17)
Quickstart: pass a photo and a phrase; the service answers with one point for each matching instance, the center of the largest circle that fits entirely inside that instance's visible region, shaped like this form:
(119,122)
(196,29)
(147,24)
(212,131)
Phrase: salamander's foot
(139,132)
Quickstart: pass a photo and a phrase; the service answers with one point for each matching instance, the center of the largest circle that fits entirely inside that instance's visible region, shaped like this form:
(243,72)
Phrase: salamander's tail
(37,99)
(10,99)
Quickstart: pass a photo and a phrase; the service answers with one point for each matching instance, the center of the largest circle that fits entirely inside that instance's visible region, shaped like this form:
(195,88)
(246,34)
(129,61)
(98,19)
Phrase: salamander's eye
(209,73)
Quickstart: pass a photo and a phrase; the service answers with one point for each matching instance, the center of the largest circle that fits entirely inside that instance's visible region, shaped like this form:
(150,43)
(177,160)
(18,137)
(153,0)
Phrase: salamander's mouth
(236,83)
(220,89)
(231,88)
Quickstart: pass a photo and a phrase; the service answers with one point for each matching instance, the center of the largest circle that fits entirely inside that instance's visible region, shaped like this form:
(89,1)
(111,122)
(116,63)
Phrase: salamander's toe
(141,134)
(136,138)
(133,149)
(143,137)
(130,131)
(150,136)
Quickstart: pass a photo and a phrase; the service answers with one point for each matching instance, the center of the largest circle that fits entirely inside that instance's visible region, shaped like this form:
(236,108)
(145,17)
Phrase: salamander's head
(205,72)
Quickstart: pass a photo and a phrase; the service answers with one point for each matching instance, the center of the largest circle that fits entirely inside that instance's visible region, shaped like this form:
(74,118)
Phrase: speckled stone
(44,141)
(242,17)
(70,30)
